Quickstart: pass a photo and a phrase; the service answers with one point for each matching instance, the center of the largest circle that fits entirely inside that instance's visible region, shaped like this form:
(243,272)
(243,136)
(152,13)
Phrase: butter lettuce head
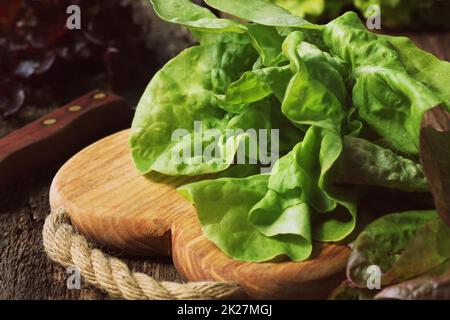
(347,105)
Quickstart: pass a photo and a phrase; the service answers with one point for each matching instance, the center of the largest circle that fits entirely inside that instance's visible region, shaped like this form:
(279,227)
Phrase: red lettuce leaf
(434,285)
(435,157)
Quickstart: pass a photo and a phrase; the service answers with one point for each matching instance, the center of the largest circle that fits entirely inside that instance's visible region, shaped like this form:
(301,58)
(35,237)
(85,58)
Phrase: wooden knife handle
(58,135)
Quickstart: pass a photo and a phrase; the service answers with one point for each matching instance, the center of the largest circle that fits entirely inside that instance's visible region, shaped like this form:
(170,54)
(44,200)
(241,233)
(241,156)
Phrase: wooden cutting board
(111,203)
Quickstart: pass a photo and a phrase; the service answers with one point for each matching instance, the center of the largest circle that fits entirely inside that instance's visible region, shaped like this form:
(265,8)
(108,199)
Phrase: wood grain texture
(112,203)
(25,271)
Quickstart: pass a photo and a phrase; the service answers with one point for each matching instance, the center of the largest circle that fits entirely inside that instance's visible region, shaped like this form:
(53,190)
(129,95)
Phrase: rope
(67,247)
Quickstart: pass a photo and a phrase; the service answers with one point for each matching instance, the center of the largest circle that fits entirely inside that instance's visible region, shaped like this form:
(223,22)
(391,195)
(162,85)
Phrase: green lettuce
(193,16)
(299,190)
(314,10)
(308,100)
(175,99)
(342,109)
(365,163)
(262,12)
(388,97)
(424,67)
(223,206)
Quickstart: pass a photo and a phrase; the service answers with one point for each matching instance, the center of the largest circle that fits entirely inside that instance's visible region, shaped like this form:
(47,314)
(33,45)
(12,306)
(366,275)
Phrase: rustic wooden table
(25,270)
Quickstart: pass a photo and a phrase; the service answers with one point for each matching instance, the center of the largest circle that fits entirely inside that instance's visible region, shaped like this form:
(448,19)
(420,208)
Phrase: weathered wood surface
(25,271)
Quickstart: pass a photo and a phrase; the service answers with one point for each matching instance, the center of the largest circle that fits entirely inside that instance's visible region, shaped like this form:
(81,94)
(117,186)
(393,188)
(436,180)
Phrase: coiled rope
(67,247)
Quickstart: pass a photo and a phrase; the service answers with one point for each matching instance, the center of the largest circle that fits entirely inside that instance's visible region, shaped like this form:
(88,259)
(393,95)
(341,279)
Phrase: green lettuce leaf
(303,8)
(424,66)
(268,42)
(263,12)
(429,247)
(365,163)
(189,14)
(300,183)
(300,191)
(387,96)
(308,101)
(175,99)
(223,207)
(256,85)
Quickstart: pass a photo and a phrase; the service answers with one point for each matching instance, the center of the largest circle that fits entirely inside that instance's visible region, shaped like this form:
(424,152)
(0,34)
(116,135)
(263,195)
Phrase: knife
(58,135)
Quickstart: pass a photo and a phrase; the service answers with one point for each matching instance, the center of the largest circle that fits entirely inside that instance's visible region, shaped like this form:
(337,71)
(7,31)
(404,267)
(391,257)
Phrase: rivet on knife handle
(58,135)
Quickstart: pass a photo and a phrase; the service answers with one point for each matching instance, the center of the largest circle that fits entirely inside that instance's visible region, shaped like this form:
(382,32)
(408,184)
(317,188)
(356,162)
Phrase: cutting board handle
(55,137)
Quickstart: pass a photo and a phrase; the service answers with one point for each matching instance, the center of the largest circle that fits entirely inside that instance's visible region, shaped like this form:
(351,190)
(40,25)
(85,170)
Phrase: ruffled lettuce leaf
(268,42)
(308,101)
(424,67)
(175,99)
(388,97)
(300,185)
(300,191)
(223,206)
(256,85)
(365,163)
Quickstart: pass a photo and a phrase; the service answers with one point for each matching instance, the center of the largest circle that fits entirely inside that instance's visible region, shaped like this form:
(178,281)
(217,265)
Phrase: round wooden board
(111,203)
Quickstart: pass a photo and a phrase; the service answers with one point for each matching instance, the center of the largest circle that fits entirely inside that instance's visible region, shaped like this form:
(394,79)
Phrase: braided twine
(67,247)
